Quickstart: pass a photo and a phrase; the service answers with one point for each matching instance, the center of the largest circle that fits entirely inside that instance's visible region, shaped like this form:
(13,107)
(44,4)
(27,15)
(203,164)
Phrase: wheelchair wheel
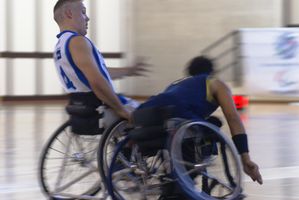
(137,176)
(68,167)
(205,162)
(109,139)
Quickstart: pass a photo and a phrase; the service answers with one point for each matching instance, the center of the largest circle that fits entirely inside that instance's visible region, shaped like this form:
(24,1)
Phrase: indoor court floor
(273,131)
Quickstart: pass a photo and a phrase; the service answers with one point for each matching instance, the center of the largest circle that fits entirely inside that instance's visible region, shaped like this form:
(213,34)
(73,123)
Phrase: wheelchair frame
(228,181)
(57,179)
(76,153)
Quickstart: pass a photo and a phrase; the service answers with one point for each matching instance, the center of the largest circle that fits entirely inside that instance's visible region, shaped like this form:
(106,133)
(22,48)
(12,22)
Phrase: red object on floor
(241,101)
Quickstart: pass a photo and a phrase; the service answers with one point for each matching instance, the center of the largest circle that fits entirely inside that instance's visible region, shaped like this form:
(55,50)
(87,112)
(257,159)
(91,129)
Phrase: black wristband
(241,143)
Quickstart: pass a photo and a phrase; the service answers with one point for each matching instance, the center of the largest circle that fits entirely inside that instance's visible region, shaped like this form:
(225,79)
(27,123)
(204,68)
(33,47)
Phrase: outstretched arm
(137,69)
(81,52)
(223,96)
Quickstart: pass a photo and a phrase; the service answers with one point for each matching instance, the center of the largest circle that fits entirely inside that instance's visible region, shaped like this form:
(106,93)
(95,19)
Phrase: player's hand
(252,170)
(125,114)
(139,68)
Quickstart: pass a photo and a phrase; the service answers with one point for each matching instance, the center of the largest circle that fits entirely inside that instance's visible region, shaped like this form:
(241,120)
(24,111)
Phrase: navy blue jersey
(189,96)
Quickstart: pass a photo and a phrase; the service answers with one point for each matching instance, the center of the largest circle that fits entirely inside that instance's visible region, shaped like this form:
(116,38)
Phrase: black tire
(54,168)
(111,136)
(205,162)
(139,177)
(126,159)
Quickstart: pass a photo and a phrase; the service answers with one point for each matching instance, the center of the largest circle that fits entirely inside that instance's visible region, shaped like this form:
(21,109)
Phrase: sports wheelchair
(163,157)
(68,166)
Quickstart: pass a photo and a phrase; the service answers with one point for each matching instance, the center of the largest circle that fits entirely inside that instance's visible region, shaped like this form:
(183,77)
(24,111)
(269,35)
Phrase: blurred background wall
(170,32)
(166,32)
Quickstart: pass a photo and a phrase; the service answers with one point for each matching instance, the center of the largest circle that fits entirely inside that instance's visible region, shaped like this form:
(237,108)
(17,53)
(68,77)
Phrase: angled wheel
(68,165)
(112,135)
(205,162)
(137,176)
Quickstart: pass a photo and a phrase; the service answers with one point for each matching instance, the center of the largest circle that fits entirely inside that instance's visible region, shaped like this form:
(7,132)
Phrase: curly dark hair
(199,65)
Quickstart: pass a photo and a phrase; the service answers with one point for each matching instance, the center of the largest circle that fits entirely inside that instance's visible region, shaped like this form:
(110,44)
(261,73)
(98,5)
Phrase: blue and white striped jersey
(71,77)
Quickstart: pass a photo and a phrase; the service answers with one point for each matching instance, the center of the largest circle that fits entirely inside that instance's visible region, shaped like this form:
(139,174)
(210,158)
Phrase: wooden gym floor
(273,131)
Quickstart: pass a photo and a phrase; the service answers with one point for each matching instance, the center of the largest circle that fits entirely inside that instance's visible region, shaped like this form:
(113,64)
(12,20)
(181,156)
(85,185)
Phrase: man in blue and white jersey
(80,65)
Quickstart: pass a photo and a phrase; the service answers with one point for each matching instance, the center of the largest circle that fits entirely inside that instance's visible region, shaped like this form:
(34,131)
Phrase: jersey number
(69,84)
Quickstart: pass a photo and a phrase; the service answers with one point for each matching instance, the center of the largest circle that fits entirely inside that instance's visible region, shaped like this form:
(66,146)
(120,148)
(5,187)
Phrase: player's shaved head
(59,9)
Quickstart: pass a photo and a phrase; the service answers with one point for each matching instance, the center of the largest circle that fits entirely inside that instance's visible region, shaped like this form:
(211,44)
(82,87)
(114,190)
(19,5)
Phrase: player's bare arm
(81,52)
(223,96)
(139,68)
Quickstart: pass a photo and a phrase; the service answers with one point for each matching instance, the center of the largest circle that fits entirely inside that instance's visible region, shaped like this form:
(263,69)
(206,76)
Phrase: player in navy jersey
(79,63)
(198,96)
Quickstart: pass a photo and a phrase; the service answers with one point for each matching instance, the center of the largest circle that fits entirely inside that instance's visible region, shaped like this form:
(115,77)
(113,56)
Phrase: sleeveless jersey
(189,96)
(71,77)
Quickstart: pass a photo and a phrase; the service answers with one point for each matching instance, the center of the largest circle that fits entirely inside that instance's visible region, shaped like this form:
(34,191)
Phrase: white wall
(2,21)
(2,47)
(170,32)
(294,14)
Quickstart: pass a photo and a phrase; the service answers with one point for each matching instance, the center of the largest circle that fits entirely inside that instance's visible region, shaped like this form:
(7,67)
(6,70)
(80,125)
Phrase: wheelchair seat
(150,131)
(84,119)
(80,110)
(153,116)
